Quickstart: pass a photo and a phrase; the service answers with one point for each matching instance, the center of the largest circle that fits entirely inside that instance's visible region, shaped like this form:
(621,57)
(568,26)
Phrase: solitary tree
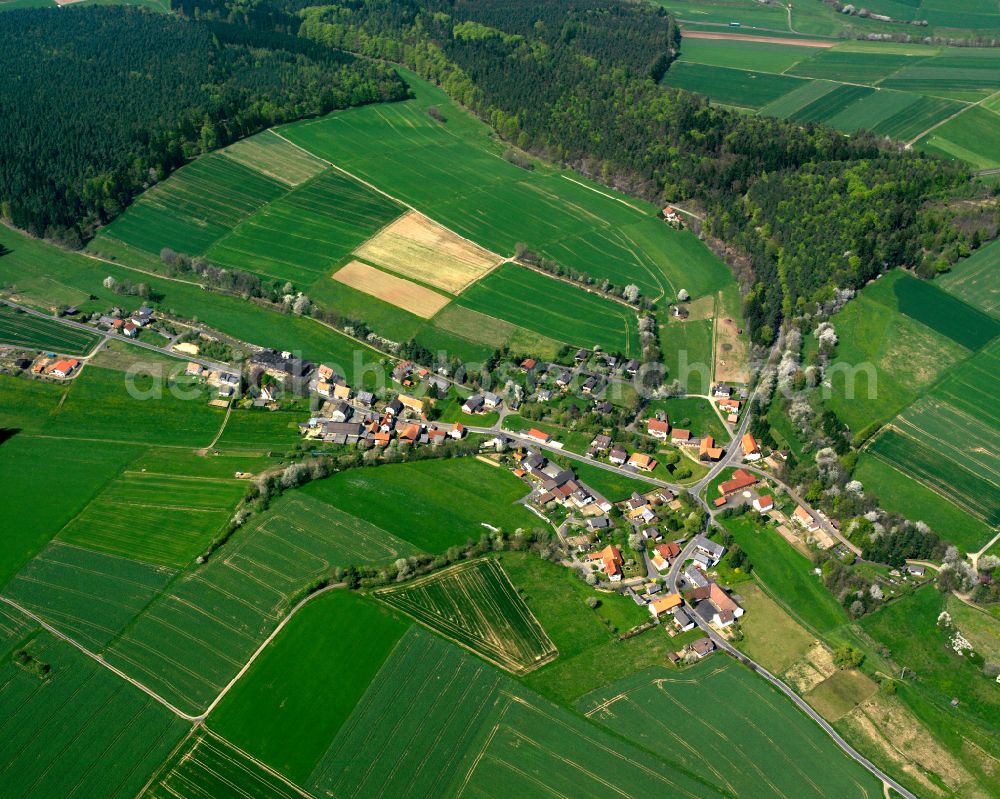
(683,296)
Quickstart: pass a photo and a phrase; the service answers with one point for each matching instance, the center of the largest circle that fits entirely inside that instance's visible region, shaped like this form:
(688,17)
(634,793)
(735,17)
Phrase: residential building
(618,455)
(695,576)
(394,407)
(714,605)
(711,549)
(729,406)
(764,504)
(707,451)
(669,550)
(473,404)
(751,450)
(457,431)
(412,403)
(805,519)
(682,620)
(611,560)
(64,367)
(658,428)
(642,461)
(491,400)
(680,438)
(701,647)
(722,390)
(538,435)
(665,604)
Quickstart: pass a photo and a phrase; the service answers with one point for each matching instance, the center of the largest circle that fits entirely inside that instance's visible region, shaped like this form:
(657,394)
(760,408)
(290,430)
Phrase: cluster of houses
(227,383)
(729,406)
(54,367)
(559,485)
(129,325)
(604,446)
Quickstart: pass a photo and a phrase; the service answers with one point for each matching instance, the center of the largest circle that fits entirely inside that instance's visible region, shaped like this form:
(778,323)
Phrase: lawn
(161,519)
(689,413)
(688,354)
(24,330)
(772,637)
(209,766)
(431,504)
(554,308)
(80,731)
(900,493)
(787,576)
(474,605)
(722,717)
(614,486)
(194,638)
(87,595)
(975,279)
(287,709)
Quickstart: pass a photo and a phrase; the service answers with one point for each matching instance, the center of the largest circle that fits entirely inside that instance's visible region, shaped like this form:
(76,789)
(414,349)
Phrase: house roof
(803,515)
(66,365)
(666,604)
(680,434)
(741,479)
(749,444)
(669,550)
(534,432)
(766,501)
(642,461)
(657,426)
(706,443)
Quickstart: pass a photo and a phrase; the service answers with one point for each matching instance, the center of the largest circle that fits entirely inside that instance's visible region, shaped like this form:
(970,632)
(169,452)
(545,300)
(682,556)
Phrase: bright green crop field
(295,698)
(555,309)
(756,742)
(431,504)
(977,279)
(80,714)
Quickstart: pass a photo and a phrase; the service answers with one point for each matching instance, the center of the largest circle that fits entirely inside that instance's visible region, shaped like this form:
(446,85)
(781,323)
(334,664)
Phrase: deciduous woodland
(100,103)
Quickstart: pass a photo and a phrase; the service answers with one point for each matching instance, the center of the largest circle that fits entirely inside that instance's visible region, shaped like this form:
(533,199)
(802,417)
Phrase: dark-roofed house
(618,456)
(714,605)
(394,408)
(711,549)
(473,404)
(702,647)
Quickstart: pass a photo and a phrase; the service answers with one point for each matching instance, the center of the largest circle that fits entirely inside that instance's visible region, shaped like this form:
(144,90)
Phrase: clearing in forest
(475,605)
(404,294)
(418,247)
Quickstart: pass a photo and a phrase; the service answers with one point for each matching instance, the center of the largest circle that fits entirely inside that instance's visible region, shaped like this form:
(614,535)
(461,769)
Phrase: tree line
(99,103)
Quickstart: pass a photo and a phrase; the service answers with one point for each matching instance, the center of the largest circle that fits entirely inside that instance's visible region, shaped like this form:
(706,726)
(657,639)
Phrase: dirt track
(686,33)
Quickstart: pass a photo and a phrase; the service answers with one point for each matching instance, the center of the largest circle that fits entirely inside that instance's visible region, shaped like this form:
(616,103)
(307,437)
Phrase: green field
(431,504)
(688,354)
(24,330)
(209,767)
(456,727)
(787,575)
(873,374)
(721,719)
(44,483)
(194,638)
(161,519)
(451,172)
(474,605)
(977,279)
(730,86)
(195,207)
(87,595)
(898,492)
(554,309)
(974,136)
(271,155)
(80,731)
(300,236)
(293,701)
(258,430)
(736,54)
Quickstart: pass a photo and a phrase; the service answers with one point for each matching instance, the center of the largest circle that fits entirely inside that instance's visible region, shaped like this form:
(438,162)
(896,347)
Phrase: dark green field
(24,330)
(730,86)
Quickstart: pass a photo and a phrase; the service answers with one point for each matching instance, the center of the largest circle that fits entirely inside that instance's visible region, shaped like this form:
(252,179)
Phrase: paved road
(109,336)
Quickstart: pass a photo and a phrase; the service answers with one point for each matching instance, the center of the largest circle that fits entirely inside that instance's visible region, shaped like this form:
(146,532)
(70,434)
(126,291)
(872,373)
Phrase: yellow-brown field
(411,297)
(418,247)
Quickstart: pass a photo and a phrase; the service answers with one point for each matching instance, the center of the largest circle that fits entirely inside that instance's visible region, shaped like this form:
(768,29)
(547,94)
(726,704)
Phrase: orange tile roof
(657,426)
(749,444)
(680,434)
(666,604)
(740,480)
(534,432)
(642,461)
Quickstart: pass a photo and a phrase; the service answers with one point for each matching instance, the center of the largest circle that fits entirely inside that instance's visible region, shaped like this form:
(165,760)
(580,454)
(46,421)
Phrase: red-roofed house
(538,435)
(64,368)
(763,504)
(739,481)
(751,450)
(658,428)
(611,559)
(803,517)
(642,462)
(680,437)
(457,431)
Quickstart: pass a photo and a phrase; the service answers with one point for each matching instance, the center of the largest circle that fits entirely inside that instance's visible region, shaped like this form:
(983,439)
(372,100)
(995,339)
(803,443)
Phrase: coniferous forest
(99,103)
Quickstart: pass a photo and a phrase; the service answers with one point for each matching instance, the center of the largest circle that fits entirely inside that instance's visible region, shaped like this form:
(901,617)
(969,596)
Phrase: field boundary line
(958,113)
(263,646)
(162,768)
(99,659)
(207,732)
(602,193)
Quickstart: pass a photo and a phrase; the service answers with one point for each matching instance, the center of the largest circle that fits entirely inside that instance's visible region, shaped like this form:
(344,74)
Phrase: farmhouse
(707,451)
(682,620)
(714,605)
(281,364)
(763,504)
(325,373)
(588,385)
(805,519)
(710,549)
(564,378)
(642,462)
(193,369)
(729,406)
(394,407)
(680,437)
(457,431)
(473,404)
(412,403)
(341,412)
(611,559)
(130,329)
(664,605)
(631,368)
(751,450)
(740,480)
(658,428)
(64,368)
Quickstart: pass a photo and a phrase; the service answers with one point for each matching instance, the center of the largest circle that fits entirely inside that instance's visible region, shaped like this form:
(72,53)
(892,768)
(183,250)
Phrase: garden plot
(419,248)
